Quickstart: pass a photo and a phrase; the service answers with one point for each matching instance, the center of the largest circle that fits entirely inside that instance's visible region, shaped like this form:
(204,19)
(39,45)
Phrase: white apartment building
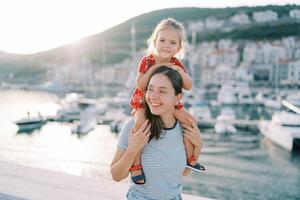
(213,23)
(294,72)
(242,74)
(265,16)
(226,44)
(297,54)
(241,18)
(223,74)
(216,57)
(249,53)
(196,26)
(208,76)
(295,13)
(106,75)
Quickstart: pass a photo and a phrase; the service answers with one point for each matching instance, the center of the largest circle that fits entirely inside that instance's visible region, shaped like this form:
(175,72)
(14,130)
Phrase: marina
(64,97)
(238,165)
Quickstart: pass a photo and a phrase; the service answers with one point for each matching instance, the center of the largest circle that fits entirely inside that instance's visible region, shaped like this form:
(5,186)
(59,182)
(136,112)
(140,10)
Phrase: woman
(160,139)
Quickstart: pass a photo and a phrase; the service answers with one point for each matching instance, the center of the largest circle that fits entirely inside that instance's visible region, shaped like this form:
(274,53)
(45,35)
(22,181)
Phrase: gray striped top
(163,162)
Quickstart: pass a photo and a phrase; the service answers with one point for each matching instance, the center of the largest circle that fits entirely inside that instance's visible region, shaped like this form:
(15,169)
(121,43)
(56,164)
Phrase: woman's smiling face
(160,96)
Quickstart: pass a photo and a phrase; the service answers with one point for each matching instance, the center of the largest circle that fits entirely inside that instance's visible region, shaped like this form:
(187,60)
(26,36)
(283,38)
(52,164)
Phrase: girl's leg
(182,115)
(139,119)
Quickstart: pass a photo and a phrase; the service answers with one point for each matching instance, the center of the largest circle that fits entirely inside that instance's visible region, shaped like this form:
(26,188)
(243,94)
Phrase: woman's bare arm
(123,159)
(121,164)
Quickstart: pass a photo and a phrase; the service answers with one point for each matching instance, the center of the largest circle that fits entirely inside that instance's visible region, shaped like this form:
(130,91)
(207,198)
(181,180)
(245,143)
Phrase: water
(239,166)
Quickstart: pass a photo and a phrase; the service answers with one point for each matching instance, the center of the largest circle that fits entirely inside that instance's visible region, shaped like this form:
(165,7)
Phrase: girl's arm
(143,78)
(194,135)
(186,79)
(123,159)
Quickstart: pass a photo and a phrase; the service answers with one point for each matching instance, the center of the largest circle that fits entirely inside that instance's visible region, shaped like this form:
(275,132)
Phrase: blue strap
(137,178)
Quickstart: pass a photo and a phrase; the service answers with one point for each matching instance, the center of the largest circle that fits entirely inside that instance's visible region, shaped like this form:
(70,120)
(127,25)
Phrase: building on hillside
(223,74)
(294,72)
(265,16)
(213,23)
(295,13)
(242,74)
(249,52)
(240,18)
(279,73)
(196,26)
(261,74)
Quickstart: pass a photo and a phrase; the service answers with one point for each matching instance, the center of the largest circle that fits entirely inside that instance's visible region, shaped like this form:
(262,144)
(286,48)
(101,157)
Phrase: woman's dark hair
(157,124)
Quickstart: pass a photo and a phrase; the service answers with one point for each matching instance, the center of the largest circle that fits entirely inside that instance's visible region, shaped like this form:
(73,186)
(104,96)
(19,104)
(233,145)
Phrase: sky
(30,26)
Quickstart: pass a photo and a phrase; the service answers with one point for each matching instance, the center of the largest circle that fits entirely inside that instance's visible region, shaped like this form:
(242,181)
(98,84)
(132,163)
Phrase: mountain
(114,44)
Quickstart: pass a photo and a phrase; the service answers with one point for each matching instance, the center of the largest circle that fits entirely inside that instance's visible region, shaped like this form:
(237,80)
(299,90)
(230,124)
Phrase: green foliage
(269,31)
(22,73)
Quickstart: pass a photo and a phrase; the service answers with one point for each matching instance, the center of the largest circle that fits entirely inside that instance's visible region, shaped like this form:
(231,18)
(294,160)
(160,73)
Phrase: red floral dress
(136,100)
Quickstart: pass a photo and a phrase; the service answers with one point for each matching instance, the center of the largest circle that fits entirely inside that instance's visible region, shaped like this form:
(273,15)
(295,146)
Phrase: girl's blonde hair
(166,24)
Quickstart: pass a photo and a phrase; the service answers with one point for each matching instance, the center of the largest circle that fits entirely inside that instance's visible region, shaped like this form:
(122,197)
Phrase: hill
(114,44)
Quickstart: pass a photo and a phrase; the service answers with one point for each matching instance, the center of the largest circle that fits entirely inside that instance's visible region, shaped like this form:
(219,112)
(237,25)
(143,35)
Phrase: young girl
(167,41)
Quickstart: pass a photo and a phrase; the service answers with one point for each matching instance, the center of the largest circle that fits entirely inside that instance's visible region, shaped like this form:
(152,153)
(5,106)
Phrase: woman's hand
(137,140)
(192,133)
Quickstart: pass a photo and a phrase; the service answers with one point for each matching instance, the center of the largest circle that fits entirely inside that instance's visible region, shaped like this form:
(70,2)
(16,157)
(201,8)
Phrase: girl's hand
(161,64)
(192,133)
(140,138)
(175,67)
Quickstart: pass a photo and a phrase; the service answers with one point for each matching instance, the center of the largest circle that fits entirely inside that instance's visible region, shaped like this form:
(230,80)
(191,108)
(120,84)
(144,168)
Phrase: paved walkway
(21,182)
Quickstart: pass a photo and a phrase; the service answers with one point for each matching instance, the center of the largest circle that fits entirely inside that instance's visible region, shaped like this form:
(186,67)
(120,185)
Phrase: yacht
(84,126)
(245,97)
(200,111)
(224,121)
(226,95)
(283,129)
(243,93)
(87,122)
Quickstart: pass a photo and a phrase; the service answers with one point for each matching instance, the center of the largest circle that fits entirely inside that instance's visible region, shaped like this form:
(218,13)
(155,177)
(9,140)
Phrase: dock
(243,124)
(19,182)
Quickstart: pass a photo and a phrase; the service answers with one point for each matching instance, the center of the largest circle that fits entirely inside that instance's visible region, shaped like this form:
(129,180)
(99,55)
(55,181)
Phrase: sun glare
(37,25)
(31,26)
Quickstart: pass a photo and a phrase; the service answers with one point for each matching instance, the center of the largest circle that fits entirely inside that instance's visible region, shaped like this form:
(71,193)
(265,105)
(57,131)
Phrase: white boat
(261,97)
(245,97)
(70,110)
(224,121)
(272,104)
(294,99)
(226,95)
(283,129)
(243,93)
(87,122)
(84,126)
(73,105)
(200,112)
(116,126)
(112,114)
(30,123)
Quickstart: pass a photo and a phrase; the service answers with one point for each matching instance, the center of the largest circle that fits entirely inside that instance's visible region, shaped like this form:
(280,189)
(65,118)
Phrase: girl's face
(160,96)
(167,43)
